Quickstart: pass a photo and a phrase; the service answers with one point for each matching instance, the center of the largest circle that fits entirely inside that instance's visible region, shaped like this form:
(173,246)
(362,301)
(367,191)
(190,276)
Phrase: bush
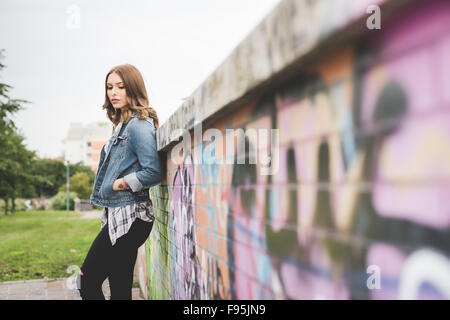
(20,205)
(80,184)
(58,202)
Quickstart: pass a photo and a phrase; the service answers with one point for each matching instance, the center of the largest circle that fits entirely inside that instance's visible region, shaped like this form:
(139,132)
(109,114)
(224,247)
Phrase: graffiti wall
(359,207)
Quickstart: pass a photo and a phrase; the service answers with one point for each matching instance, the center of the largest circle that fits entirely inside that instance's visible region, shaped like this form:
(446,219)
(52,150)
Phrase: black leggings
(113,262)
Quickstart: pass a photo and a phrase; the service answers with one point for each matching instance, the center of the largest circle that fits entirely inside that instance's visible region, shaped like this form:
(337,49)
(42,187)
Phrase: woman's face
(116,91)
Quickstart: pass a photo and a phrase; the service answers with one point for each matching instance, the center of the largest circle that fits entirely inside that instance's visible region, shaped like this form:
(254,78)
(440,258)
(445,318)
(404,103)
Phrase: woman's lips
(114,100)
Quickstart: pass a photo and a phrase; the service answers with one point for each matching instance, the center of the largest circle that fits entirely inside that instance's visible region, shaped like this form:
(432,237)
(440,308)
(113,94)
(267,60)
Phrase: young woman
(129,165)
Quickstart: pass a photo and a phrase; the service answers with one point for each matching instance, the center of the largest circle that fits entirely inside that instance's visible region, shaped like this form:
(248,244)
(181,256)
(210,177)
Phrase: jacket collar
(119,126)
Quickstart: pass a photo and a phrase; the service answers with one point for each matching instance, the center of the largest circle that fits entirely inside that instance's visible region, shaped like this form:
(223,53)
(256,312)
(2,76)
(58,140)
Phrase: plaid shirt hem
(121,218)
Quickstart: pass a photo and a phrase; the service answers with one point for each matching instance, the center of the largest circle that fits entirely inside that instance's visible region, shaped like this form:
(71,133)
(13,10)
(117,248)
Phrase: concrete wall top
(291,31)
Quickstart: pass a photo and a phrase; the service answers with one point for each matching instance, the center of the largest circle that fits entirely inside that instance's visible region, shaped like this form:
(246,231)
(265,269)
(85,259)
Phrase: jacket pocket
(119,145)
(116,176)
(106,188)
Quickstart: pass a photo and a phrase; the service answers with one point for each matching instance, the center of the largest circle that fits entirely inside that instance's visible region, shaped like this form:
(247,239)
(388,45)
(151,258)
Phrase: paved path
(92,214)
(95,214)
(48,289)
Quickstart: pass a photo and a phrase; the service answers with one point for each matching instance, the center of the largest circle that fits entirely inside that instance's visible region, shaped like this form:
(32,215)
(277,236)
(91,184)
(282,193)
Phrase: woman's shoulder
(141,124)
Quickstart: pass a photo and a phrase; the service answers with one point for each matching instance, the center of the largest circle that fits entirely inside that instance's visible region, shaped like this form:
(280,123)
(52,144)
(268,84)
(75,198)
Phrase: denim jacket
(131,154)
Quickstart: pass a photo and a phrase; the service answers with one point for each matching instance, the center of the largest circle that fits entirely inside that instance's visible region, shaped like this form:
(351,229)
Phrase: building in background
(84,143)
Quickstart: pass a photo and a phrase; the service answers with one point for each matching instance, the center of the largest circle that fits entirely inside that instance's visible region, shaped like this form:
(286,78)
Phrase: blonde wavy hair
(137,99)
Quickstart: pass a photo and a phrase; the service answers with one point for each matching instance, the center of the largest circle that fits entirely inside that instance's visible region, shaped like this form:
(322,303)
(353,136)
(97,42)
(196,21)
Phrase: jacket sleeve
(143,142)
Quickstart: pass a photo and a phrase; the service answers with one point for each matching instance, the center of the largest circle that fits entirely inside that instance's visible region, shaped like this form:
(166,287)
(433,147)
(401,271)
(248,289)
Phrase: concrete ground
(48,289)
(94,214)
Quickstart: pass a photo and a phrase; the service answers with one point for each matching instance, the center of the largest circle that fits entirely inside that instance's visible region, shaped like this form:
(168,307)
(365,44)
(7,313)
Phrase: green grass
(37,244)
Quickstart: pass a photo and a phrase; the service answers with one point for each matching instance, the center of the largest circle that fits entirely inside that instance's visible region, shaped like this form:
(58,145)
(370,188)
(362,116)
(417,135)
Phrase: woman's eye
(110,88)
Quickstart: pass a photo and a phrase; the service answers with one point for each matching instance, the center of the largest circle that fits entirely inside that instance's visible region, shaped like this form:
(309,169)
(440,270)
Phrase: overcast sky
(57,54)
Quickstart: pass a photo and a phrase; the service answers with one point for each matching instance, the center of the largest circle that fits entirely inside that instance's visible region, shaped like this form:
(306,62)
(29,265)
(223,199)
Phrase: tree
(8,106)
(11,145)
(17,176)
(79,183)
(22,173)
(53,175)
(80,167)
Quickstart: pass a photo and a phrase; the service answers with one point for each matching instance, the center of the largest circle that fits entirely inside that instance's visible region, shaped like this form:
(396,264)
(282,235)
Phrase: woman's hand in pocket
(120,184)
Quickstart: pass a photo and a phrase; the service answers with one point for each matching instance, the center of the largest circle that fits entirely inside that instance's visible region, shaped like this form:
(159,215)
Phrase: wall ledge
(291,34)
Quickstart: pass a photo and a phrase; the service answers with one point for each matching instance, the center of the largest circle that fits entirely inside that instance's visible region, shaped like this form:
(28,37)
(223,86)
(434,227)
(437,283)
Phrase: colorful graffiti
(364,168)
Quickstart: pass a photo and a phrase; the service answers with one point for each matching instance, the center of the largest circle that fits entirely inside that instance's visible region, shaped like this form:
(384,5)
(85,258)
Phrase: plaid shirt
(121,218)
